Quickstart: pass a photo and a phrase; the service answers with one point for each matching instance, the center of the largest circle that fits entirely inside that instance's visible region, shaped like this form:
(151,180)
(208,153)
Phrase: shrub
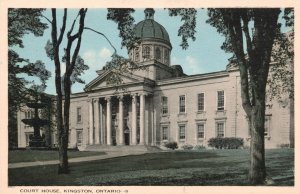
(199,147)
(226,142)
(187,147)
(172,145)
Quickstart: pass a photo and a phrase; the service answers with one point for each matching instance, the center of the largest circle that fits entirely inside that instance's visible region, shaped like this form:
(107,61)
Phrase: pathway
(74,160)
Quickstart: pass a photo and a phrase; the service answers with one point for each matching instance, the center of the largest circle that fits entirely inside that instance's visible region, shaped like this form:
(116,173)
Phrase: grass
(43,155)
(205,167)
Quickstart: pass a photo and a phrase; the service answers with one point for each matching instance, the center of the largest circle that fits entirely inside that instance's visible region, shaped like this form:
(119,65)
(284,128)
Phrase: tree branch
(56,54)
(115,50)
(62,30)
(80,30)
(72,27)
(232,21)
(247,34)
(46,18)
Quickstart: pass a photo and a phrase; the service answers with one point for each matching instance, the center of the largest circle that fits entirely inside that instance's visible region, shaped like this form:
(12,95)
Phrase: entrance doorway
(126,138)
(127,135)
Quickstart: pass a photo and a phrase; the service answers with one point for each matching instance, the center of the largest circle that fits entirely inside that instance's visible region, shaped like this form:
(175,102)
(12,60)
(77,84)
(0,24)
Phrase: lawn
(43,155)
(205,167)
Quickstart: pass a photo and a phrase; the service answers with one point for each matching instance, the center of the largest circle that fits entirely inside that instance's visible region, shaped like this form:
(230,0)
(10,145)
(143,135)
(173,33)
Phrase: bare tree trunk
(65,135)
(63,167)
(62,152)
(70,65)
(257,171)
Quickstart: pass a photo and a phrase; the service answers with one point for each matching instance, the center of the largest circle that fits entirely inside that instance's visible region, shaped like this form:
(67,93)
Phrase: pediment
(101,80)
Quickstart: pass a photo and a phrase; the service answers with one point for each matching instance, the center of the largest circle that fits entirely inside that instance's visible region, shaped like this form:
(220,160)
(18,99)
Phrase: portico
(118,119)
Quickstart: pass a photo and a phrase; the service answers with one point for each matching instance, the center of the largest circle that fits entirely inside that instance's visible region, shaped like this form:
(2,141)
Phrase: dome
(149,28)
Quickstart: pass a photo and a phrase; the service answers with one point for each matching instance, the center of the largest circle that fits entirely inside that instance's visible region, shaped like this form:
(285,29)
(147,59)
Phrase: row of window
(147,54)
(201,104)
(220,130)
(29,114)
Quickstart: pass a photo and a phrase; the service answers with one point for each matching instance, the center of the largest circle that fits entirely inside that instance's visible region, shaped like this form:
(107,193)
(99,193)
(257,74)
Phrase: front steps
(124,149)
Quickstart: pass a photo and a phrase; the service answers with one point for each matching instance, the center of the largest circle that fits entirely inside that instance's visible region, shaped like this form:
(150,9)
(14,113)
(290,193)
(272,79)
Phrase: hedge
(226,142)
(172,145)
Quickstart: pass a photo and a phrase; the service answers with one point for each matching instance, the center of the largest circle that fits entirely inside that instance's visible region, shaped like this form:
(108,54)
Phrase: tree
(234,24)
(20,23)
(74,67)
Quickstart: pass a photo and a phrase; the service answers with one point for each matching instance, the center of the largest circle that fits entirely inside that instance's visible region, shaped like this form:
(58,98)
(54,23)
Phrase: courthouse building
(162,104)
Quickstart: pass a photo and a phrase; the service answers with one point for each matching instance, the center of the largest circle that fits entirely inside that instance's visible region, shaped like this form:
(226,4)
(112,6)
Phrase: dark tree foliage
(125,23)
(281,79)
(20,23)
(24,21)
(187,29)
(281,75)
(119,65)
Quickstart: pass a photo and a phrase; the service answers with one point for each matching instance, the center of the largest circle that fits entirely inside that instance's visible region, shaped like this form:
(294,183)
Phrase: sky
(203,55)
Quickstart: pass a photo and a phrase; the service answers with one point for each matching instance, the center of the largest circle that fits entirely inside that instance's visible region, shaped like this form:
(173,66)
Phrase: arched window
(166,57)
(147,52)
(157,54)
(137,54)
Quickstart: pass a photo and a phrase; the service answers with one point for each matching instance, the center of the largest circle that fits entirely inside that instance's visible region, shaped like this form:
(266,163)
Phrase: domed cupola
(155,41)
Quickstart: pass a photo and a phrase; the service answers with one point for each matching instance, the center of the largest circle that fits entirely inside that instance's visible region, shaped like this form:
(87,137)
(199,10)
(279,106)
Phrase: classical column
(101,124)
(91,118)
(152,123)
(121,121)
(108,120)
(142,119)
(134,120)
(97,126)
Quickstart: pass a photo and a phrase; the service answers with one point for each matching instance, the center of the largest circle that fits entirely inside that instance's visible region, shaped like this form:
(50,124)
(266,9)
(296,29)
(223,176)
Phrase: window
(79,137)
(181,132)
(164,101)
(220,100)
(200,130)
(137,54)
(201,102)
(147,52)
(29,114)
(182,104)
(164,133)
(157,54)
(79,115)
(166,56)
(220,129)
(267,125)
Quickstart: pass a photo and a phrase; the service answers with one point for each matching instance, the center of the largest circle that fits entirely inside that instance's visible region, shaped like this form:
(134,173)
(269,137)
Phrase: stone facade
(162,104)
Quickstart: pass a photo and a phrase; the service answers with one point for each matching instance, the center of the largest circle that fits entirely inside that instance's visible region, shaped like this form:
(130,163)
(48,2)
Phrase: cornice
(192,78)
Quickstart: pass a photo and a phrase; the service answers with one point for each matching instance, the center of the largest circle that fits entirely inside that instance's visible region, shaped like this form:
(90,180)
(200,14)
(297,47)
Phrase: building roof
(149,28)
